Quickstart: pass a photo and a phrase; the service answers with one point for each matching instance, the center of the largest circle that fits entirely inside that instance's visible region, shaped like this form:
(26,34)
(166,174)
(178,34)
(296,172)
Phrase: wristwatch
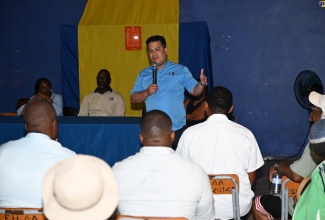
(276,166)
(203,84)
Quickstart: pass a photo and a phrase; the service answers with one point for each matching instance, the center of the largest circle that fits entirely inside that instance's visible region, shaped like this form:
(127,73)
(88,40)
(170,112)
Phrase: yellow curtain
(101,41)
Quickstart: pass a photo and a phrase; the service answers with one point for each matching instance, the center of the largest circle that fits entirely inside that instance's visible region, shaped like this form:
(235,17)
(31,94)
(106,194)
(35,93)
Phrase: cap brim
(314,98)
(102,210)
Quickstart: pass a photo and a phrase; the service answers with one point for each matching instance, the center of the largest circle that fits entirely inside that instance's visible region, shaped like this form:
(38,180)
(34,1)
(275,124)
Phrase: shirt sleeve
(84,109)
(58,104)
(120,105)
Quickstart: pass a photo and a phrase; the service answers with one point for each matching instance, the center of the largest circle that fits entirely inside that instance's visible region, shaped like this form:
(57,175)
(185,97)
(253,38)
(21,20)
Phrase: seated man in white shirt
(24,162)
(157,182)
(221,146)
(103,101)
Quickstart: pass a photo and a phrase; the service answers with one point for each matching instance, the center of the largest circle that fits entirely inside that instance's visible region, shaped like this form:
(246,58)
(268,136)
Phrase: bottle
(276,184)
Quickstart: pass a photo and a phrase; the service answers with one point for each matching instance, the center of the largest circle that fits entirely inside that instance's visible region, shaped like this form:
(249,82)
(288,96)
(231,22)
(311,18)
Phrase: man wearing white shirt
(157,182)
(221,146)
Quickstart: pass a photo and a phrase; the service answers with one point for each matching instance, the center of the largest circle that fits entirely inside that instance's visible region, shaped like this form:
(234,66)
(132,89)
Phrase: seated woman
(43,90)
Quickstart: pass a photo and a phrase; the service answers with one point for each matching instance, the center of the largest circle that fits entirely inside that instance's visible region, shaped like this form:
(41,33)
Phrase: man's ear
(206,108)
(141,138)
(172,135)
(231,108)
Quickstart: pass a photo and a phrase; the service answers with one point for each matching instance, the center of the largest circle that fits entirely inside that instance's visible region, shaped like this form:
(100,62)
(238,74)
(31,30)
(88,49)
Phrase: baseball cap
(81,187)
(318,100)
(317,138)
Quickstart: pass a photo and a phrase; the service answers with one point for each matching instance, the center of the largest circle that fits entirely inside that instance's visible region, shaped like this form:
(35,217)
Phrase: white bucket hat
(79,188)
(318,100)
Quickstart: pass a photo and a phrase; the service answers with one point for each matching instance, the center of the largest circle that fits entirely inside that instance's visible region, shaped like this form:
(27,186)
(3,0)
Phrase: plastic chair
(126,217)
(227,184)
(22,214)
(288,189)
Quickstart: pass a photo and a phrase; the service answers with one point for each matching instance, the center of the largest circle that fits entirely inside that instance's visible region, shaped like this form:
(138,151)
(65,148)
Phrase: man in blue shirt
(172,78)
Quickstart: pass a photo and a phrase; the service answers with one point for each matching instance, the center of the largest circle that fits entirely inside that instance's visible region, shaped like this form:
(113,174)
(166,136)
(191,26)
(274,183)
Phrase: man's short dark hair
(219,100)
(155,123)
(157,38)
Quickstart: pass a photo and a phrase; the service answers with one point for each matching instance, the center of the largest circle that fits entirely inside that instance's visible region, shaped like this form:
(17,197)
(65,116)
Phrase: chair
(126,217)
(70,111)
(302,186)
(227,184)
(288,189)
(22,214)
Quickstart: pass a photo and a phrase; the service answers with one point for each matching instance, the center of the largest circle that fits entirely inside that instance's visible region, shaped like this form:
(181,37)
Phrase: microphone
(154,72)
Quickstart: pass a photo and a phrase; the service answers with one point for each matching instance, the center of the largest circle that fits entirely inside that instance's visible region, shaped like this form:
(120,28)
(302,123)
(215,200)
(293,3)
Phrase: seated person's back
(24,162)
(221,146)
(157,182)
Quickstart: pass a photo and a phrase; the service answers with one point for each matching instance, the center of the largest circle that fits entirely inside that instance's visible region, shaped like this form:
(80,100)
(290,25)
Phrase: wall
(30,45)
(258,48)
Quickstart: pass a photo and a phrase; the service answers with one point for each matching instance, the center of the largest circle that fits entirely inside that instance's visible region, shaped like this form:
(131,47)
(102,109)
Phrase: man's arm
(199,88)
(285,171)
(251,177)
(139,97)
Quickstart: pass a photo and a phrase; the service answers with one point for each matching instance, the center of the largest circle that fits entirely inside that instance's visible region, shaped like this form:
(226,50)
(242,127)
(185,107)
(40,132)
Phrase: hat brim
(102,210)
(314,98)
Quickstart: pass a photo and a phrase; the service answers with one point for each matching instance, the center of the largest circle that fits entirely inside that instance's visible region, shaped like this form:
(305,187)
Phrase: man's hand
(203,78)
(152,89)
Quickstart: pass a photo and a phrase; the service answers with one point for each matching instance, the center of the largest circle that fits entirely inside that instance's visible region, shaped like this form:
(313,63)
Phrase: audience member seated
(221,146)
(24,162)
(157,182)
(103,101)
(195,108)
(269,206)
(311,204)
(80,188)
(43,90)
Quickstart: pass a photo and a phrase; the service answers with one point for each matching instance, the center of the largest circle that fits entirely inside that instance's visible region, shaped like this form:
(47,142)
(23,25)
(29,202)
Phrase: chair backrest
(227,184)
(288,189)
(126,217)
(21,214)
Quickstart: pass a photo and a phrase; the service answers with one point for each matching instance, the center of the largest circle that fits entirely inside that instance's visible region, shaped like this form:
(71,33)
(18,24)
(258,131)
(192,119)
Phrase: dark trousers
(178,135)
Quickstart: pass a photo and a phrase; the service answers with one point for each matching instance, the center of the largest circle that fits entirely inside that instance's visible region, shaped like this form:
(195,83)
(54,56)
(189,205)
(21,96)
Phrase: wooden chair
(288,189)
(22,214)
(126,217)
(227,184)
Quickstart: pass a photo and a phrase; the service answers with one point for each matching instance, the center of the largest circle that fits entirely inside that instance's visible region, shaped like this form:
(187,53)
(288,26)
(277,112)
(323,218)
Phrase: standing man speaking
(167,94)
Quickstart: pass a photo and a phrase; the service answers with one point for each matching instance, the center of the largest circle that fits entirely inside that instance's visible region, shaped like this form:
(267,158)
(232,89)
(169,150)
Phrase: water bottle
(276,184)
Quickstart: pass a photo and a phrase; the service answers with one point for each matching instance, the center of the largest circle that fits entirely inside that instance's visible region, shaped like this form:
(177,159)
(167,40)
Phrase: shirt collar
(156,150)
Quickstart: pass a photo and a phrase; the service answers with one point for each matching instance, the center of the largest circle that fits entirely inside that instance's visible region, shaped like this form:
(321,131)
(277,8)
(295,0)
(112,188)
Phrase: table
(109,138)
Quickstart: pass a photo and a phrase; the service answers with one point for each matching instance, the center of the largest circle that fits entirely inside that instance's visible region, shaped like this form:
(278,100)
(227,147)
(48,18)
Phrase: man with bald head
(157,182)
(24,162)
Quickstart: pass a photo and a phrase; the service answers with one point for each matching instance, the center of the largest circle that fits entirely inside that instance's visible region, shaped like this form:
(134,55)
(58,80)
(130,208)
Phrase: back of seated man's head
(156,129)
(219,100)
(40,117)
(317,139)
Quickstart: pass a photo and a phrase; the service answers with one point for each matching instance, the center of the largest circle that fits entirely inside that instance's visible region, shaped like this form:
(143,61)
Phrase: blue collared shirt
(171,81)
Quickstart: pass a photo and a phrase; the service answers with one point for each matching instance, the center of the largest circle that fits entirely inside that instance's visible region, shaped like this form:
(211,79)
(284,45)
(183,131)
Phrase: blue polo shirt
(172,79)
